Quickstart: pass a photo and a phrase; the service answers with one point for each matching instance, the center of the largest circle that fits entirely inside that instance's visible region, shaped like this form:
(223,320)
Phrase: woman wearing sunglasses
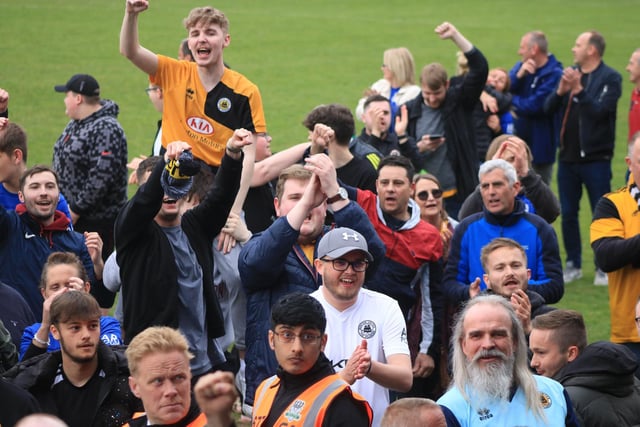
(428,195)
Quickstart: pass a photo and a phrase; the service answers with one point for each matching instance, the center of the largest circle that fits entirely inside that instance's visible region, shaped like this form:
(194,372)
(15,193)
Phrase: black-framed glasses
(151,89)
(340,264)
(436,193)
(288,337)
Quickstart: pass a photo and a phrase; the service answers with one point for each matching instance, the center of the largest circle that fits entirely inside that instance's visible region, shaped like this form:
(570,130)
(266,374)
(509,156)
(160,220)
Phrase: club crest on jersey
(545,400)
(367,329)
(200,125)
(294,411)
(224,105)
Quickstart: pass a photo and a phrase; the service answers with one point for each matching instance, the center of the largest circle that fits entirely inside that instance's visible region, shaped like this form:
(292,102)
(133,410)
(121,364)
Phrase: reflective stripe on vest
(318,395)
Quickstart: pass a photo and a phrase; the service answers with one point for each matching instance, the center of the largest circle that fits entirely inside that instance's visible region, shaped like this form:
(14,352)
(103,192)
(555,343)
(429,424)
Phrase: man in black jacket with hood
(598,377)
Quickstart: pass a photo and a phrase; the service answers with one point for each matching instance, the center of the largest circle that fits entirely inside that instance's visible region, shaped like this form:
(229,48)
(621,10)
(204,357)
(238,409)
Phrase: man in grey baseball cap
(361,319)
(340,241)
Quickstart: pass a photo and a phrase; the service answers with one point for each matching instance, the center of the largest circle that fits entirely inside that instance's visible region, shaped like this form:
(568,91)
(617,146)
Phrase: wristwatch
(342,195)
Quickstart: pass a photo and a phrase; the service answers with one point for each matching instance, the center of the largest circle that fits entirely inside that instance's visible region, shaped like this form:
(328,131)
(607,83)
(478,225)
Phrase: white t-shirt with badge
(376,318)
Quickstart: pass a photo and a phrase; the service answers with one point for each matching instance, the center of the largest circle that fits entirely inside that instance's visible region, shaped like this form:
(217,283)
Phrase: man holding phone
(441,114)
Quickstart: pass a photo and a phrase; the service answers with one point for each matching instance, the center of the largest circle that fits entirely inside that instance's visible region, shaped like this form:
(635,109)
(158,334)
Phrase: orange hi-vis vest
(201,421)
(306,410)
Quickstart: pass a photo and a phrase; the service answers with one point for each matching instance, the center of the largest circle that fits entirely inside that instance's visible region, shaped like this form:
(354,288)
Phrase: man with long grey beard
(492,384)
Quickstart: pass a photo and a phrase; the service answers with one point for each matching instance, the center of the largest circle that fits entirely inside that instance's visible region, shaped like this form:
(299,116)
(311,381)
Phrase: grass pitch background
(300,54)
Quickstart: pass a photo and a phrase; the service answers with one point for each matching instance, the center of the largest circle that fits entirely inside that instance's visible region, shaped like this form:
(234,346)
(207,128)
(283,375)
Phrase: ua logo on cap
(345,236)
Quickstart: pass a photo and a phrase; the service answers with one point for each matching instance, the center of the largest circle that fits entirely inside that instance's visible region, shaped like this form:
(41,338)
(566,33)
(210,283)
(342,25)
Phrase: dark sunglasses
(436,193)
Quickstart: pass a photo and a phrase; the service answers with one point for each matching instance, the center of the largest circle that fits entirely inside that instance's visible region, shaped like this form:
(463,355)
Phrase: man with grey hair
(492,383)
(503,215)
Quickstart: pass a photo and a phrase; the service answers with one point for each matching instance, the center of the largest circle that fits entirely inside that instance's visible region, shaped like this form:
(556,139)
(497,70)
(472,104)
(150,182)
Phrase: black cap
(83,84)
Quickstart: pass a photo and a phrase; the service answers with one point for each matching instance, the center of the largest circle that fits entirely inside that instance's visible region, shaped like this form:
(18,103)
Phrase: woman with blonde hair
(398,82)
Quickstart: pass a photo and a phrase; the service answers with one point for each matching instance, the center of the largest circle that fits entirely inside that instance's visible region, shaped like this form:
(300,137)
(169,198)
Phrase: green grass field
(301,54)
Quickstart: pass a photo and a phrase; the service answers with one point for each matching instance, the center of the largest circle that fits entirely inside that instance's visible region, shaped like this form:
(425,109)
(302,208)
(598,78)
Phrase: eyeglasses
(436,193)
(288,337)
(340,264)
(151,89)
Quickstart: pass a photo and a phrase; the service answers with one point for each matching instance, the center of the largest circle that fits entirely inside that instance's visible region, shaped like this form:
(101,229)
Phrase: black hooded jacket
(602,385)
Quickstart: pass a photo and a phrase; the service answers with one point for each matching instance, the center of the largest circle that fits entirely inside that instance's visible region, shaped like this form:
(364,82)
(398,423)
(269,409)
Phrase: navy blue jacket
(598,104)
(536,236)
(539,129)
(24,249)
(272,265)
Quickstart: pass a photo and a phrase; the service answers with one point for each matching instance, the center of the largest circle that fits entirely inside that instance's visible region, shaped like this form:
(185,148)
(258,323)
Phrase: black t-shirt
(77,406)
(358,173)
(259,212)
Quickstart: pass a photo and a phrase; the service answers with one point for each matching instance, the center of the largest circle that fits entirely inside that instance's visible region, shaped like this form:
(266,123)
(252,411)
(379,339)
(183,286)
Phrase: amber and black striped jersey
(206,120)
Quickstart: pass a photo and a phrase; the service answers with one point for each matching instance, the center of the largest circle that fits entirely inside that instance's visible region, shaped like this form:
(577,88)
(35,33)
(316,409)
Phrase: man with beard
(492,384)
(506,274)
(85,382)
(166,256)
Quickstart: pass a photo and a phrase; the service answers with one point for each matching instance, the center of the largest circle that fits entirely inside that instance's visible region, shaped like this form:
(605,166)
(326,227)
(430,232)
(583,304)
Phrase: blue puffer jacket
(536,236)
(539,129)
(272,265)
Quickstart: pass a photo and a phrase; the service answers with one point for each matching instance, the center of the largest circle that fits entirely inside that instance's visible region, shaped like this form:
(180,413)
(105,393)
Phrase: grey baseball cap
(340,241)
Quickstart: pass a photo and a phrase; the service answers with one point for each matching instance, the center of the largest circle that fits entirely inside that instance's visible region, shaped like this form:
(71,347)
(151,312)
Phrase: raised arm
(268,169)
(130,46)
(447,30)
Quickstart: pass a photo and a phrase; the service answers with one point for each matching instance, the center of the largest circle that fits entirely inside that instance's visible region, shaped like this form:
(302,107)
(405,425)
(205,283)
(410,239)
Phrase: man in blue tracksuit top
(502,216)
